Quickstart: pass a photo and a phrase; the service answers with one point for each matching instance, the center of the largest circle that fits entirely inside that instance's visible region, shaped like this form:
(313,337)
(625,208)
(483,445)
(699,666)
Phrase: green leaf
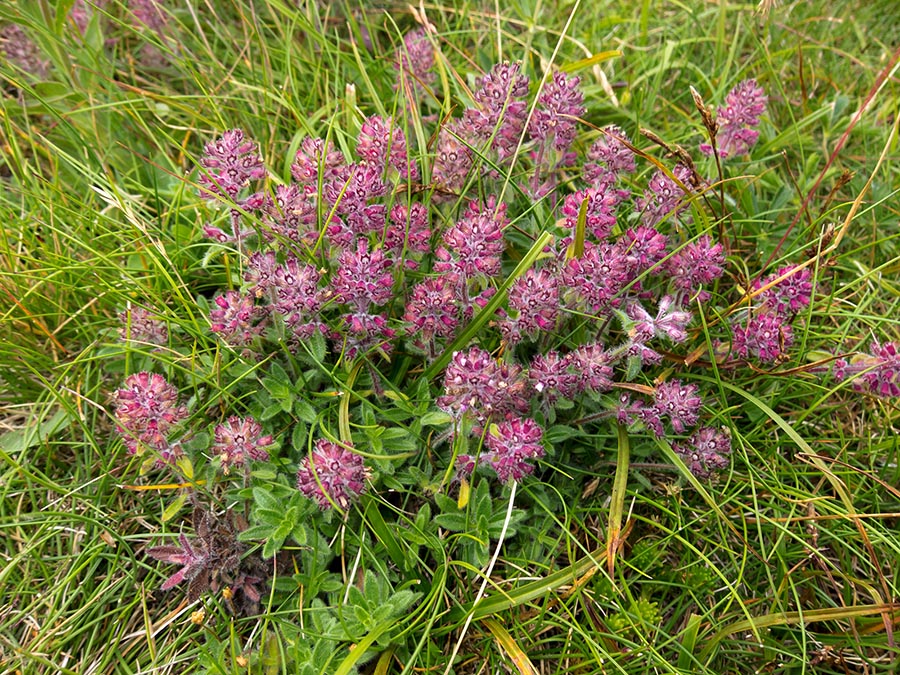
(435,418)
(305,411)
(172,509)
(21,439)
(256,533)
(272,546)
(266,500)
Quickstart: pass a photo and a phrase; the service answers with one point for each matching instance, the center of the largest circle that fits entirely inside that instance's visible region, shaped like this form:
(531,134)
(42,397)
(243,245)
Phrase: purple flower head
(501,108)
(679,402)
(229,164)
(238,440)
(290,216)
(700,262)
(380,144)
(140,326)
(473,246)
(596,278)
(332,475)
(236,319)
(408,231)
(663,195)
(549,376)
(670,321)
(877,373)
(535,298)
(765,337)
(150,14)
(432,311)
(363,278)
(600,214)
(642,247)
(475,383)
(591,362)
(316,159)
(19,49)
(737,118)
(706,451)
(559,106)
(259,274)
(789,296)
(349,193)
(414,60)
(147,412)
(608,157)
(297,297)
(512,445)
(453,157)
(361,333)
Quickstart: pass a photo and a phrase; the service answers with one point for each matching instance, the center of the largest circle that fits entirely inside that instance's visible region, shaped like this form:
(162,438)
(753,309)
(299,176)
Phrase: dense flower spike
(238,440)
(699,263)
(788,296)
(363,278)
(706,451)
(361,333)
(642,247)
(473,246)
(592,364)
(454,157)
(663,194)
(290,216)
(229,164)
(535,298)
(764,337)
(414,61)
(501,111)
(550,376)
(599,211)
(147,412)
(236,319)
(297,297)
(877,373)
(512,445)
(737,119)
(596,278)
(19,49)
(408,231)
(679,402)
(559,106)
(314,160)
(432,311)
(381,144)
(332,475)
(142,327)
(608,157)
(350,194)
(477,384)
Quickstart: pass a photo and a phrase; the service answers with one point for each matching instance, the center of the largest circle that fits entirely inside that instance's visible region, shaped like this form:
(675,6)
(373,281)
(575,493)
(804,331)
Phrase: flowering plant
(450,344)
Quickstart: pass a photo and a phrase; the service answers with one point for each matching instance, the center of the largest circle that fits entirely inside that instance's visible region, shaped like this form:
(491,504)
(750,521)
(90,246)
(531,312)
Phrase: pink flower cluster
(147,414)
(737,120)
(876,373)
(332,475)
(239,440)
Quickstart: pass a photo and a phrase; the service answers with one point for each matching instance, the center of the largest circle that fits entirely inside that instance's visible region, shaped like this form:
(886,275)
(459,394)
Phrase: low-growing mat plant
(453,338)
